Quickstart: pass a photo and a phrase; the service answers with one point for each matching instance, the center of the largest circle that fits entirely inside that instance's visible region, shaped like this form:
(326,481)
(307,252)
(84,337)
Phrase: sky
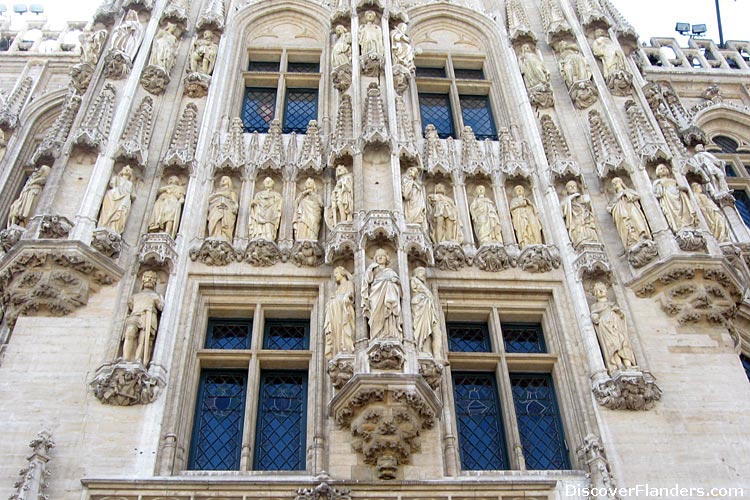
(651,18)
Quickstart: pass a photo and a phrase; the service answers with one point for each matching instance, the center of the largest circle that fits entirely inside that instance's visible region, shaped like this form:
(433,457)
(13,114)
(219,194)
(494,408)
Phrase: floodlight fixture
(699,29)
(20,8)
(36,8)
(682,28)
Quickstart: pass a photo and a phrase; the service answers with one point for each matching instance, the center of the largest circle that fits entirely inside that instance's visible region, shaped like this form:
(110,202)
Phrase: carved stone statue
(371,44)
(613,59)
(485,218)
(342,198)
(168,208)
(142,322)
(92,45)
(126,36)
(342,49)
(573,65)
(525,219)
(534,71)
(203,55)
(265,213)
(612,331)
(339,319)
(222,210)
(164,49)
(117,201)
(381,298)
(23,206)
(412,189)
(425,318)
(712,168)
(579,218)
(308,213)
(629,218)
(715,219)
(673,200)
(401,47)
(446,224)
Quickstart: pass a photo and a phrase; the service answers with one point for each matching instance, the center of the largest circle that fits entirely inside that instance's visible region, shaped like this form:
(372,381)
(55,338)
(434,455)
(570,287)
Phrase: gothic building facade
(372,249)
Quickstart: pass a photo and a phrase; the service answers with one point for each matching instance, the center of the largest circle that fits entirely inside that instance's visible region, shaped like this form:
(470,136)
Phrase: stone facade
(156,179)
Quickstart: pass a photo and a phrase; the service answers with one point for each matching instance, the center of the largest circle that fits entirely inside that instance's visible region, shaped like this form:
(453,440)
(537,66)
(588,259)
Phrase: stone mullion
(317,385)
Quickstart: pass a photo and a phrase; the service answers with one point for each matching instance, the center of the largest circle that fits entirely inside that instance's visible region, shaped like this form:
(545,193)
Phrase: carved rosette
(307,253)
(262,253)
(493,258)
(539,258)
(386,416)
(631,390)
(213,252)
(54,227)
(157,250)
(107,242)
(124,383)
(386,355)
(341,370)
(449,256)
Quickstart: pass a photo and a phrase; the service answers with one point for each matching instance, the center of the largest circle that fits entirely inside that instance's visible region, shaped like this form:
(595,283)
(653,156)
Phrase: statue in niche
(21,209)
(715,219)
(127,34)
(629,218)
(613,59)
(339,318)
(117,201)
(673,200)
(168,208)
(579,218)
(222,210)
(308,213)
(525,219)
(203,55)
(612,331)
(412,189)
(712,168)
(371,44)
(534,71)
(141,324)
(342,49)
(485,218)
(265,212)
(92,45)
(164,49)
(425,318)
(381,298)
(342,198)
(573,65)
(401,47)
(446,226)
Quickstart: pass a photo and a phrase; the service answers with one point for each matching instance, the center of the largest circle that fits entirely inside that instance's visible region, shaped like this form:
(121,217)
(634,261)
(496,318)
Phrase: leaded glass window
(477,114)
(469,74)
(264,66)
(290,335)
(435,109)
(301,107)
(219,413)
(479,422)
(468,337)
(745,364)
(539,422)
(523,338)
(258,109)
(229,334)
(727,144)
(280,432)
(303,67)
(743,205)
(431,72)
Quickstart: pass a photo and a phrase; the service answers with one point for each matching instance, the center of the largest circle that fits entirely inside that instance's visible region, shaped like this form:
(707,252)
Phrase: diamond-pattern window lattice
(219,414)
(743,205)
(468,337)
(229,334)
(303,67)
(265,66)
(523,338)
(258,109)
(539,422)
(477,114)
(435,109)
(280,433)
(469,74)
(745,364)
(425,72)
(480,427)
(301,107)
(289,335)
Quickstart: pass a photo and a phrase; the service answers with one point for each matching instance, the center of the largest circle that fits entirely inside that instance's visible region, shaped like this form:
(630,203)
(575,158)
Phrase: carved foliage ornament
(33,481)
(125,384)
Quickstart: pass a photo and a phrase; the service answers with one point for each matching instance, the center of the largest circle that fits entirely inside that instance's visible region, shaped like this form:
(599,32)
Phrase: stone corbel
(431,371)
(125,383)
(450,256)
(341,370)
(539,258)
(642,253)
(386,415)
(214,252)
(323,491)
(495,257)
(307,253)
(386,355)
(262,253)
(9,237)
(54,227)
(138,4)
(628,390)
(107,242)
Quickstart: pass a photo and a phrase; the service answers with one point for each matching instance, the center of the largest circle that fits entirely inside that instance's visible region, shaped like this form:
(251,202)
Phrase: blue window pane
(219,413)
(480,426)
(745,364)
(431,72)
(229,333)
(523,338)
(468,337)
(477,114)
(303,67)
(280,433)
(731,172)
(743,205)
(289,335)
(266,66)
(435,109)
(727,144)
(258,109)
(539,422)
(301,107)
(469,74)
